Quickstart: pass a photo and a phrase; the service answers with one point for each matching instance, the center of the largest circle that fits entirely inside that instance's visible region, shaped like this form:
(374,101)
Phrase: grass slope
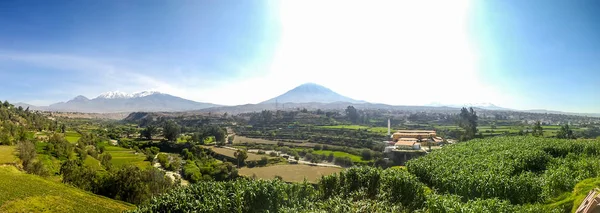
(20,192)
(7,154)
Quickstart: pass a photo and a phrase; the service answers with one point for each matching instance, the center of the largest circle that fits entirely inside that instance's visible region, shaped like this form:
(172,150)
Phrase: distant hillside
(310,93)
(543,111)
(29,193)
(114,102)
(322,106)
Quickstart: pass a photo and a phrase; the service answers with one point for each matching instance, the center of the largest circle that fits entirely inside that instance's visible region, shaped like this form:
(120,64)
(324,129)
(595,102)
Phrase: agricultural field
(231,152)
(122,156)
(7,154)
(29,193)
(290,172)
(549,131)
(337,154)
(381,130)
(520,170)
(72,137)
(242,139)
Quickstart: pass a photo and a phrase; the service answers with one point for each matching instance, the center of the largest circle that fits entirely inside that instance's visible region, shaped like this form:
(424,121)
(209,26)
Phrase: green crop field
(72,137)
(338,154)
(122,156)
(521,170)
(7,154)
(290,173)
(22,192)
(381,130)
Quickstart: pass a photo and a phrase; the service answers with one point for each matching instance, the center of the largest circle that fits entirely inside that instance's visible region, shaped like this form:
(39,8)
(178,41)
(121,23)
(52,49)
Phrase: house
(416,134)
(408,144)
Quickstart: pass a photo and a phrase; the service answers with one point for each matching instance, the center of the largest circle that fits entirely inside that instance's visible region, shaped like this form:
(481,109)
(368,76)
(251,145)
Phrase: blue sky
(518,54)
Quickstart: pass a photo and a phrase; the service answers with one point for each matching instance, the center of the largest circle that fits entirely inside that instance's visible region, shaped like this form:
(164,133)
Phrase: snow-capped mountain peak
(122,95)
(113,95)
(144,94)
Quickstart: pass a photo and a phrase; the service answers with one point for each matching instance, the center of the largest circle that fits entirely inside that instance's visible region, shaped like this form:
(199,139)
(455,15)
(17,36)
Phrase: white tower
(389,127)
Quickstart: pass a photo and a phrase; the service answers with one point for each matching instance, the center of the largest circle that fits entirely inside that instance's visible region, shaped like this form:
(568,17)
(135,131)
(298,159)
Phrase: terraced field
(122,156)
(20,192)
(381,130)
(72,137)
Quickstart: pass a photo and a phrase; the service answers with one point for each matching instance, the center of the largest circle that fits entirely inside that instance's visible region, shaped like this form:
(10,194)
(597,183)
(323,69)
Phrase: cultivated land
(20,192)
(242,139)
(381,130)
(122,156)
(72,137)
(231,152)
(7,154)
(337,154)
(289,173)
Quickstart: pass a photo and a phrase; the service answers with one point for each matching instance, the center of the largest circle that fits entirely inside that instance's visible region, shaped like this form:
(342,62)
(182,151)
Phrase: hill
(114,102)
(29,193)
(308,93)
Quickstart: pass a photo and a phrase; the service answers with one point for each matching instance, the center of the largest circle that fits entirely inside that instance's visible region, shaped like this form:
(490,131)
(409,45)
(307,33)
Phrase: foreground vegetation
(29,193)
(518,170)
(505,174)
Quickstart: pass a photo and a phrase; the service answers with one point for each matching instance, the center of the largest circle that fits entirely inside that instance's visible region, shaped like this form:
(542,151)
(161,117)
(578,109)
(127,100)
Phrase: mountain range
(309,95)
(148,101)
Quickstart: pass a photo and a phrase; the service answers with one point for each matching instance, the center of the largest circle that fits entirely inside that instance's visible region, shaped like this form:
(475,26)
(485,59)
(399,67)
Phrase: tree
(230,139)
(129,131)
(468,122)
(352,114)
(366,154)
(149,131)
(330,157)
(565,132)
(171,131)
(198,137)
(82,153)
(538,131)
(105,160)
(27,153)
(263,161)
(241,156)
(63,128)
(59,147)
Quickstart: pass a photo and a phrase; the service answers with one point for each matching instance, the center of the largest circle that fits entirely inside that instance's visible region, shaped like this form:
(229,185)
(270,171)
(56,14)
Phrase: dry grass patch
(231,153)
(290,173)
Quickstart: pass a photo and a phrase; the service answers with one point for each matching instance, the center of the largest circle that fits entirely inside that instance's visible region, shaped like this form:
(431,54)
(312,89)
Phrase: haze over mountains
(309,95)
